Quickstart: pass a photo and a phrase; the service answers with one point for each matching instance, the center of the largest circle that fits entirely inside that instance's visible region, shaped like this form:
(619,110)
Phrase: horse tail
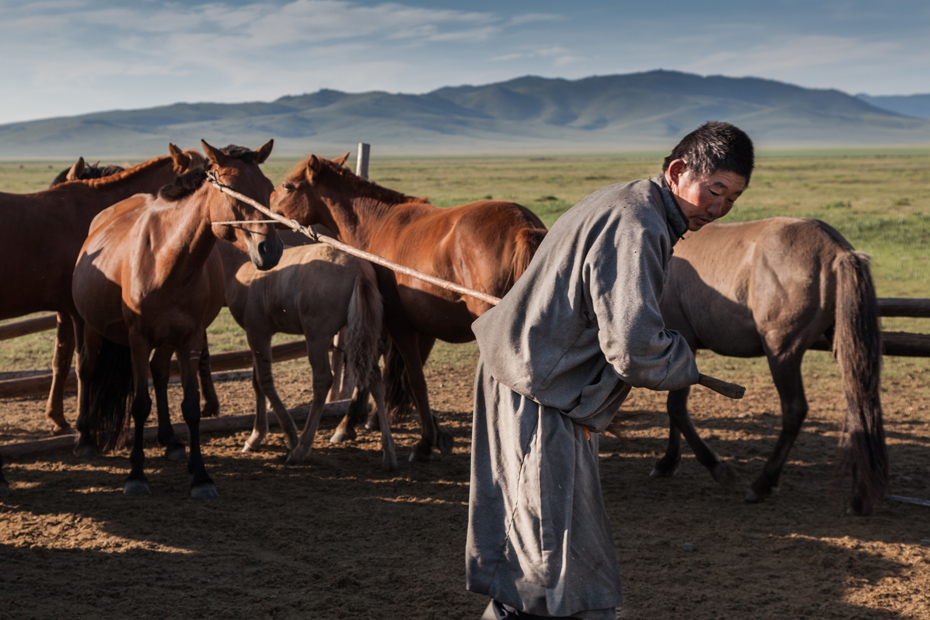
(398,395)
(858,349)
(363,327)
(527,242)
(111,389)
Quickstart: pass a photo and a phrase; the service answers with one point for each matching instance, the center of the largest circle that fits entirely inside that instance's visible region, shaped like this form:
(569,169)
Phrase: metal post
(361,164)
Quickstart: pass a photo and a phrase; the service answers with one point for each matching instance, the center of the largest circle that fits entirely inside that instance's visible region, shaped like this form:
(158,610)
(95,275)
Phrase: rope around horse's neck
(348,249)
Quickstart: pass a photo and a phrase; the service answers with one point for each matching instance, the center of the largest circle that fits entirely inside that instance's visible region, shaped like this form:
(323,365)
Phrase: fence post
(361,164)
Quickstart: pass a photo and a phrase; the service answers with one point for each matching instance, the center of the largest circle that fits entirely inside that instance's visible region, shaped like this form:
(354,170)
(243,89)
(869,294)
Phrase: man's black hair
(715,146)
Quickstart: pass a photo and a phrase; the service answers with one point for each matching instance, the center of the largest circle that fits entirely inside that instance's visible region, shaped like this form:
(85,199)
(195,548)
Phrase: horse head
(237,168)
(304,195)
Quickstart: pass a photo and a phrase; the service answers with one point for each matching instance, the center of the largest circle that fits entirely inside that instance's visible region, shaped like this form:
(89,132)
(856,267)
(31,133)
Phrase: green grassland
(880,202)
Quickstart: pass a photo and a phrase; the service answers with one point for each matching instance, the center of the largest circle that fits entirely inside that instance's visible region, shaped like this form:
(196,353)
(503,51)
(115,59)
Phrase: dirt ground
(339,538)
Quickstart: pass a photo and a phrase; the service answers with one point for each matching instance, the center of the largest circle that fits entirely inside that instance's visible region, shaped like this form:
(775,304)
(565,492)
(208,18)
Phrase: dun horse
(315,290)
(147,279)
(773,287)
(39,243)
(482,245)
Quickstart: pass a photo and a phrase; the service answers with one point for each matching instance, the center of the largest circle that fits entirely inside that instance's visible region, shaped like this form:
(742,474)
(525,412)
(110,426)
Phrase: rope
(374,258)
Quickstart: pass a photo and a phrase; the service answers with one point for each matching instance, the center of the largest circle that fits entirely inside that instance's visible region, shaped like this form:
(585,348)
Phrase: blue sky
(68,57)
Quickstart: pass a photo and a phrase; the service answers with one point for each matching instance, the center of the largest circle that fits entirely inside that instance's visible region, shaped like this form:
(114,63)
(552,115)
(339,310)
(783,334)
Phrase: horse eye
(288,187)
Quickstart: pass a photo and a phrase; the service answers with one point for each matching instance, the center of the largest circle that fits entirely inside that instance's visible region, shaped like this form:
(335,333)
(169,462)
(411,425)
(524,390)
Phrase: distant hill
(916,106)
(649,110)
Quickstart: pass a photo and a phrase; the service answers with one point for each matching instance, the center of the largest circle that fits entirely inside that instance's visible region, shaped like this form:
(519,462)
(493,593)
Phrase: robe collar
(677,222)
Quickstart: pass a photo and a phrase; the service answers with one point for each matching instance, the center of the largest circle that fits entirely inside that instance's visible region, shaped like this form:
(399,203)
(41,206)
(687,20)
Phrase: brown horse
(315,290)
(147,279)
(482,245)
(40,240)
(773,287)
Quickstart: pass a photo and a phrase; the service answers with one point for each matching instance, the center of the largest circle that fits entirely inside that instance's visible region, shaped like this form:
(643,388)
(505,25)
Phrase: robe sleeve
(625,272)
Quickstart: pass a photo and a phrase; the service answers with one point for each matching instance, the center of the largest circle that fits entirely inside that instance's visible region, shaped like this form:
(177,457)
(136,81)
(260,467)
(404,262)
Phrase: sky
(71,57)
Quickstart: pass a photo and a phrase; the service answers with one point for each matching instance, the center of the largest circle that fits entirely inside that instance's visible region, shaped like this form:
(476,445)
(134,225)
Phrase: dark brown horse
(148,279)
(773,287)
(80,171)
(315,290)
(482,245)
(40,240)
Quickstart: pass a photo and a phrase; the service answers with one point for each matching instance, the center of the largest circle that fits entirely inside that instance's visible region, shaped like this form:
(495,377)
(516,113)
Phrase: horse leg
(160,367)
(136,482)
(4,487)
(341,387)
(431,433)
(389,453)
(720,471)
(202,486)
(210,402)
(358,408)
(85,446)
(263,384)
(668,464)
(318,354)
(786,372)
(61,368)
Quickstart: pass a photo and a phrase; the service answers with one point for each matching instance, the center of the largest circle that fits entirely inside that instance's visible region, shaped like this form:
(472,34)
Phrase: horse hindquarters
(857,346)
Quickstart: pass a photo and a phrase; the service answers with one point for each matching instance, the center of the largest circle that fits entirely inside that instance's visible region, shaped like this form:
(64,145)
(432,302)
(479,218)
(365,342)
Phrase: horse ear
(314,165)
(264,151)
(76,170)
(216,156)
(180,158)
(341,161)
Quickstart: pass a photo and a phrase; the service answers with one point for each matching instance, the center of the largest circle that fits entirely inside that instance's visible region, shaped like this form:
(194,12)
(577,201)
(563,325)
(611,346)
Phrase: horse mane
(122,174)
(367,188)
(189,182)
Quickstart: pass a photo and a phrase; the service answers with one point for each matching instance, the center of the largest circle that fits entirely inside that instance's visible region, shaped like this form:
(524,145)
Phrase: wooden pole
(219,423)
(28,326)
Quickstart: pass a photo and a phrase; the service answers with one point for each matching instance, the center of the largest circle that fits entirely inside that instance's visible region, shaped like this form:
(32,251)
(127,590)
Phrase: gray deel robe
(559,354)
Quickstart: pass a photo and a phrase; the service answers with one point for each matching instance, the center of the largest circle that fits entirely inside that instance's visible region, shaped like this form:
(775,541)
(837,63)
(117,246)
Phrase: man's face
(703,199)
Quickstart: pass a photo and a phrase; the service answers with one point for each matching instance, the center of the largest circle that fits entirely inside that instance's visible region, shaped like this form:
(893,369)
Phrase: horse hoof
(296,457)
(176,455)
(752,498)
(661,473)
(85,451)
(416,457)
(725,475)
(389,462)
(136,487)
(340,436)
(444,441)
(251,447)
(58,431)
(204,491)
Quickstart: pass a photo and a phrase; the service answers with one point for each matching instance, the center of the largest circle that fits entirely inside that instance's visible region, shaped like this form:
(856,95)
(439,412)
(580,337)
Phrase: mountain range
(650,110)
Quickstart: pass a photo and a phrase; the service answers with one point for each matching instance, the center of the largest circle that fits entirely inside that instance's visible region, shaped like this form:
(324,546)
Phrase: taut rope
(730,390)
(315,236)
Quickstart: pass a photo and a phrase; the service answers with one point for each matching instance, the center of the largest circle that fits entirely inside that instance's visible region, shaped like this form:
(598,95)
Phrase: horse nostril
(262,248)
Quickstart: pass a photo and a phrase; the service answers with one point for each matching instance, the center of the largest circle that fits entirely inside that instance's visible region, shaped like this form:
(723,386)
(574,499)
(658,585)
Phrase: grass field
(880,202)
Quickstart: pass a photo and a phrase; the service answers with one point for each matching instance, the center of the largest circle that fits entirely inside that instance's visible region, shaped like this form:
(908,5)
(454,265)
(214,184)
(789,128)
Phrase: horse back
(743,288)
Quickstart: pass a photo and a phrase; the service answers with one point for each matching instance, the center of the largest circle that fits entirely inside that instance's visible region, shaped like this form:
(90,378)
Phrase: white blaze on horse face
(704,199)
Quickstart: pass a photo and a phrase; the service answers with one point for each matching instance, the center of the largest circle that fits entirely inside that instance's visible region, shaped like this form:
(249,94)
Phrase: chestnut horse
(147,279)
(315,290)
(482,245)
(773,287)
(39,243)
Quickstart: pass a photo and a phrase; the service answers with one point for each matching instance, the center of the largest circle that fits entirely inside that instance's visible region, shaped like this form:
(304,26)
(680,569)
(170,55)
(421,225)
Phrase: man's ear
(674,172)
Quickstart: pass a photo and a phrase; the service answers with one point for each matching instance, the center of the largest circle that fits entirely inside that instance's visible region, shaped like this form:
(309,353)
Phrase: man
(559,354)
